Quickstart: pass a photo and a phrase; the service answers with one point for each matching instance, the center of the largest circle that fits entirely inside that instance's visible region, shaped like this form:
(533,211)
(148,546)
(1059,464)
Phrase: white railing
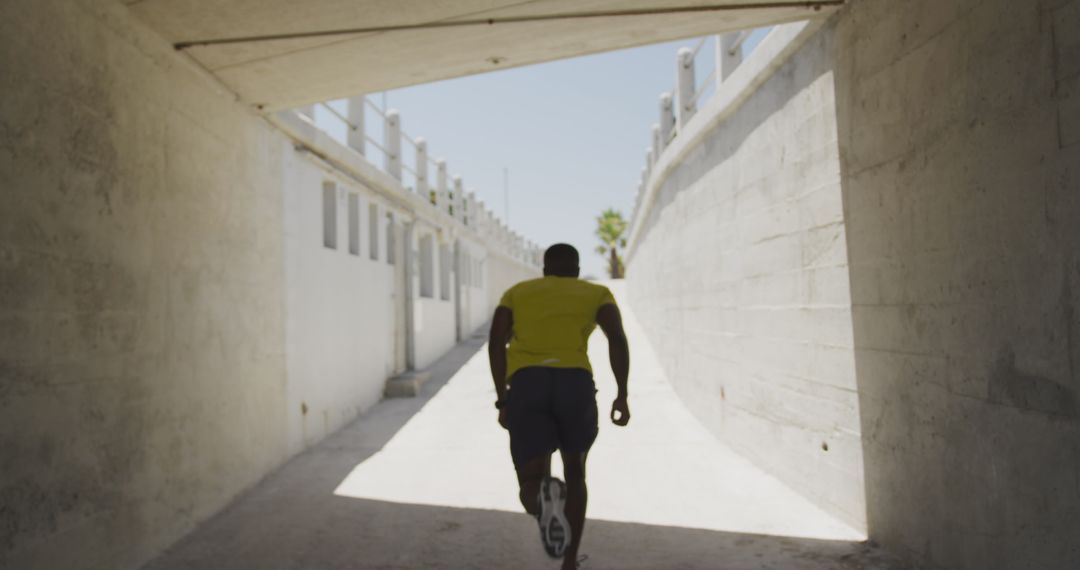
(679,105)
(407,159)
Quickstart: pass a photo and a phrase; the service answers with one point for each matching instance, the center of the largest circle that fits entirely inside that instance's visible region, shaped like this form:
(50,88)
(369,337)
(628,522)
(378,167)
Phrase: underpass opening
(429,482)
(451,453)
(172,306)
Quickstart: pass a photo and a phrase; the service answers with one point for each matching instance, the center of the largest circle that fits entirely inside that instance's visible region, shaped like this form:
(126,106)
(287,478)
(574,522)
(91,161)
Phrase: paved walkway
(427,483)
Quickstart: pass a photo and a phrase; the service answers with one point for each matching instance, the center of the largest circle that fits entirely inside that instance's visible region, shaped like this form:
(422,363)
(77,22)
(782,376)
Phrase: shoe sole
(554,528)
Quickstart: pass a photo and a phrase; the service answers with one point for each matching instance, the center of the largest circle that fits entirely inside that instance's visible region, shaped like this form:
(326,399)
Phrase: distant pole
(506,194)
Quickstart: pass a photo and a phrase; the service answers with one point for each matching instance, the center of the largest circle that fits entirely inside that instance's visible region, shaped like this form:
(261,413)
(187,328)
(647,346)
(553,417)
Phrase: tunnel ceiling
(383,44)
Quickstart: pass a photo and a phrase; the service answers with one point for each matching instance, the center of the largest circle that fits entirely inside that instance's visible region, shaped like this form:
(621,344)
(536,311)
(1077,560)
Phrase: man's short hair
(561,258)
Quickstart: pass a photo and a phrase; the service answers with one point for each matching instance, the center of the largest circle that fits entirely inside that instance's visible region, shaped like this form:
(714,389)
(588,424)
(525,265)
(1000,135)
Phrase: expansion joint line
(813,5)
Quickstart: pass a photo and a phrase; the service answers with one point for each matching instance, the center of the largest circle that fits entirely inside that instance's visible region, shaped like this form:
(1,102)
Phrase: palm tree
(610,227)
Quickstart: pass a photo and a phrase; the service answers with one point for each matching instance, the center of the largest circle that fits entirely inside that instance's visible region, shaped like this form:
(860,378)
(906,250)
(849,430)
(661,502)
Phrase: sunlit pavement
(428,483)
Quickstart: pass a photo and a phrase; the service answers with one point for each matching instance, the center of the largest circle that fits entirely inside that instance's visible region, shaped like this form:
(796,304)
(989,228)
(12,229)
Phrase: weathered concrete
(282,74)
(172,326)
(738,269)
(406,385)
(961,174)
(956,124)
(427,483)
(141,290)
(144,254)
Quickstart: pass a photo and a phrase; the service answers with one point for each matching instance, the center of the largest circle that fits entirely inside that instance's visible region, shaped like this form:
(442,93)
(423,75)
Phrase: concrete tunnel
(875,221)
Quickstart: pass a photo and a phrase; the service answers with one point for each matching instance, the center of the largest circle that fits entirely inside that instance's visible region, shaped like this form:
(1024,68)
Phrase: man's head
(561,260)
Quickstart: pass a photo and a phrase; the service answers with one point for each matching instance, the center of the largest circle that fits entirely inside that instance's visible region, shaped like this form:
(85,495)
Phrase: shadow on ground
(335,532)
(294,519)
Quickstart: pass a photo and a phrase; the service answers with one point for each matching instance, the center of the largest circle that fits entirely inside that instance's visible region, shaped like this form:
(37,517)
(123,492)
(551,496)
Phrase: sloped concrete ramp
(427,483)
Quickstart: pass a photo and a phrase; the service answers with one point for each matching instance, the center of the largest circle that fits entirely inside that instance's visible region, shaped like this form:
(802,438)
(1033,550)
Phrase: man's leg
(544,498)
(577,497)
(575,405)
(530,474)
(534,436)
(533,432)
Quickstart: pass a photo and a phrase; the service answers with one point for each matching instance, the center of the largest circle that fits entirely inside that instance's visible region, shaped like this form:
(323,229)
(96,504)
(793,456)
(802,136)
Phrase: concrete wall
(959,129)
(142,371)
(738,272)
(172,326)
(340,320)
(474,309)
(434,316)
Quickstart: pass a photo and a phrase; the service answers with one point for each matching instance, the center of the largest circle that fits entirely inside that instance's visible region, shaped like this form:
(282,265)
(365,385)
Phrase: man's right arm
(502,325)
(610,321)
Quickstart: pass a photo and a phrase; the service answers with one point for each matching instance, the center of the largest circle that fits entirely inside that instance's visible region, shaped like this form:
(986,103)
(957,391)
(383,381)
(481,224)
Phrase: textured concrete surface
(956,123)
(142,303)
(427,483)
(154,323)
(961,174)
(288,73)
(739,271)
(141,290)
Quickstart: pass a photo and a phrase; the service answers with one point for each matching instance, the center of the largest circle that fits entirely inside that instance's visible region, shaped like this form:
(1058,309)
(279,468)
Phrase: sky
(571,135)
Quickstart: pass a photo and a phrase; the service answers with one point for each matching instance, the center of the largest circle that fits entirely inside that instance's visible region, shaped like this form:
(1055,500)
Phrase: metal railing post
(421,169)
(392,142)
(357,135)
(468,215)
(441,190)
(458,198)
(667,121)
(656,144)
(728,55)
(637,197)
(687,85)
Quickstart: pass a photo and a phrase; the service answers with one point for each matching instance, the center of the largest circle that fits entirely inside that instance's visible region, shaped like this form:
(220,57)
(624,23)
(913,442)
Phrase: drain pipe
(458,325)
(410,320)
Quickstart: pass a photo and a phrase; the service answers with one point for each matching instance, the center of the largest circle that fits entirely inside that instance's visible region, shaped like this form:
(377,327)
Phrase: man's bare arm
(502,324)
(610,321)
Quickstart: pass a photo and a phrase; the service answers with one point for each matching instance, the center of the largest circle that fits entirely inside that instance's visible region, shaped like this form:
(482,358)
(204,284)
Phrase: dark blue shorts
(549,409)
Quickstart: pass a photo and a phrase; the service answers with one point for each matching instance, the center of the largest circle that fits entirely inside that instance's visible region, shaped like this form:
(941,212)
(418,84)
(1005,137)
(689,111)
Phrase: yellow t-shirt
(553,318)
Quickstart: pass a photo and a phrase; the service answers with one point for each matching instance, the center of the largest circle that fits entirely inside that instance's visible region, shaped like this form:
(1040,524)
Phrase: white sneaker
(554,528)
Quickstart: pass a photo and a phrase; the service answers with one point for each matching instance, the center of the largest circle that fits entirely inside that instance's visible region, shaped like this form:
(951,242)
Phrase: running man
(546,394)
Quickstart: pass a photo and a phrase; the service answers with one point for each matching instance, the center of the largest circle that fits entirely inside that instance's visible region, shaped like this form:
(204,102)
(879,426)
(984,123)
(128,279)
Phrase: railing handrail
(376,144)
(340,117)
(471,213)
(740,39)
(710,80)
(697,48)
(379,110)
(686,107)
